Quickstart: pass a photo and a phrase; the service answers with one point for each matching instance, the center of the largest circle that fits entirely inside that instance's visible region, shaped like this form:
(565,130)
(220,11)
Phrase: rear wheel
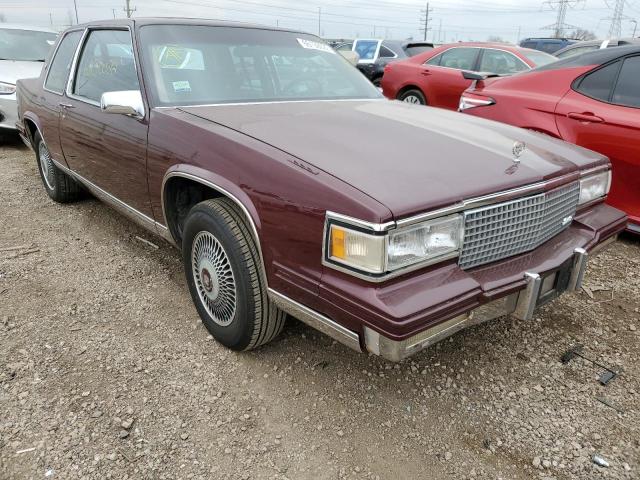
(225,277)
(413,96)
(59,186)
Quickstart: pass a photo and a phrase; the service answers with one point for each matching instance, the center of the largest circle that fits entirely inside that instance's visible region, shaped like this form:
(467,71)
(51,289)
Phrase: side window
(434,60)
(530,45)
(500,62)
(61,63)
(459,58)
(550,47)
(578,51)
(598,84)
(345,47)
(627,90)
(106,65)
(386,53)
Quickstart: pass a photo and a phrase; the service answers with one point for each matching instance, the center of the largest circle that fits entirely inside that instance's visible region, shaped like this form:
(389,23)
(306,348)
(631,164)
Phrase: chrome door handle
(65,105)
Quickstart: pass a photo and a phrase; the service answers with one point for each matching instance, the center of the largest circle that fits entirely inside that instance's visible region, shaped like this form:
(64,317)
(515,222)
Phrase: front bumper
(539,290)
(8,112)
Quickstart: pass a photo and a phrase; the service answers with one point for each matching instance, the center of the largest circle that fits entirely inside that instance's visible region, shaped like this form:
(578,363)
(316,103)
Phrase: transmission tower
(615,31)
(562,6)
(127,9)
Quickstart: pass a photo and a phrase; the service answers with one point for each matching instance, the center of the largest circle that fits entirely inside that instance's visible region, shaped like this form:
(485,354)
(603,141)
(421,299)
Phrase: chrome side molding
(316,320)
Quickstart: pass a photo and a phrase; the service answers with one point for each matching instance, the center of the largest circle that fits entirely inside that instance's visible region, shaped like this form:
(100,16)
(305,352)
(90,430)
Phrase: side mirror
(127,102)
(352,57)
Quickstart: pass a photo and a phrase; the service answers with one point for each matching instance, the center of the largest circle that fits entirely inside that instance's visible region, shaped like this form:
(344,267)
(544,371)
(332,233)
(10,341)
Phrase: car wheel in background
(413,96)
(225,277)
(377,82)
(59,186)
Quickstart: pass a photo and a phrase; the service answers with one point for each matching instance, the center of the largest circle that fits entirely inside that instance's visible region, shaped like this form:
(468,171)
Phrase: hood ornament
(518,149)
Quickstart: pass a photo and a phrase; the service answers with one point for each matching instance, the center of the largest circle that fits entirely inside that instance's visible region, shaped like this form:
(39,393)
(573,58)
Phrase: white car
(23,50)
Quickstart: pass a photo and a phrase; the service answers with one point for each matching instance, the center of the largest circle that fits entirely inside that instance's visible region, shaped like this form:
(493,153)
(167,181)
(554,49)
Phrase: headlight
(7,88)
(379,253)
(594,187)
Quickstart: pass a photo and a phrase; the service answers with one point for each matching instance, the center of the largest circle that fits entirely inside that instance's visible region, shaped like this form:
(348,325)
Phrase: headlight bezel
(11,88)
(385,232)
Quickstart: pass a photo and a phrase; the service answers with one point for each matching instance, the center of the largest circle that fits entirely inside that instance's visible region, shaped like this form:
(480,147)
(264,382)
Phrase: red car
(592,100)
(433,78)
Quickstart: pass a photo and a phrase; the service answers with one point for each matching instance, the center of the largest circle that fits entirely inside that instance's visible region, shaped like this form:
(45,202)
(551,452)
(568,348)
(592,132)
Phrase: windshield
(540,58)
(25,45)
(191,65)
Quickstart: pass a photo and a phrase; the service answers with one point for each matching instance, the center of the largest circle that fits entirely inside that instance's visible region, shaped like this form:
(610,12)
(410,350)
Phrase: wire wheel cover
(214,278)
(46,165)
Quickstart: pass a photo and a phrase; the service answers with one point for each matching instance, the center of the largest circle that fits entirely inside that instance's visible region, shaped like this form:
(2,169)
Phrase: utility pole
(75,7)
(127,9)
(51,19)
(519,32)
(615,31)
(319,19)
(440,32)
(635,27)
(426,20)
(114,12)
(562,6)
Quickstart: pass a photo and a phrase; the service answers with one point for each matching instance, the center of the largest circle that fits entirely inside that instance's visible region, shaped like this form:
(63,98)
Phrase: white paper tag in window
(181,86)
(310,44)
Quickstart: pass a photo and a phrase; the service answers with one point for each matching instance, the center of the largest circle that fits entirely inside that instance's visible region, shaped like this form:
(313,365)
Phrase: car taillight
(473,100)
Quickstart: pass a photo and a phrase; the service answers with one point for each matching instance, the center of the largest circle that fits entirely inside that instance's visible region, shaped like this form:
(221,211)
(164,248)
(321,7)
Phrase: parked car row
(264,156)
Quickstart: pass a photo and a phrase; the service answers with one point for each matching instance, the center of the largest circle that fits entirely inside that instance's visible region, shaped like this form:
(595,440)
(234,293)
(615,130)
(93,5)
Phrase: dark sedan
(265,157)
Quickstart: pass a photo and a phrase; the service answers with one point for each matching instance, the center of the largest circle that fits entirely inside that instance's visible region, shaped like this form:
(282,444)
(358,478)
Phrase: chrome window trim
(77,57)
(53,56)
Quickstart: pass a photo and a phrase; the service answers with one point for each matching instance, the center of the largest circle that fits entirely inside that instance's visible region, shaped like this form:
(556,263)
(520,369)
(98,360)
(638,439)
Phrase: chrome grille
(506,229)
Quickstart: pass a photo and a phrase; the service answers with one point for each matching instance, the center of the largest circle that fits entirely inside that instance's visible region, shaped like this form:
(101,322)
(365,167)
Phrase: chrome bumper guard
(521,305)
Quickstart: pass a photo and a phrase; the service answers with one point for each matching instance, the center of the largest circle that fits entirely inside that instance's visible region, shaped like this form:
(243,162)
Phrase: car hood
(12,70)
(409,158)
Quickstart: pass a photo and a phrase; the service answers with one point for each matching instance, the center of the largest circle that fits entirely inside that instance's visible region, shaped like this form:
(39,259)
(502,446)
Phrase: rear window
(414,50)
(540,58)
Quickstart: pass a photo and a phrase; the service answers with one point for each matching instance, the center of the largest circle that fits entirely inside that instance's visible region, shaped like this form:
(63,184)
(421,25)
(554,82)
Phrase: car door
(440,78)
(56,76)
(108,150)
(602,113)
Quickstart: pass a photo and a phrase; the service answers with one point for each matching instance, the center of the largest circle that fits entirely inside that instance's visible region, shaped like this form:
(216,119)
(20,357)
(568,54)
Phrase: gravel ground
(107,372)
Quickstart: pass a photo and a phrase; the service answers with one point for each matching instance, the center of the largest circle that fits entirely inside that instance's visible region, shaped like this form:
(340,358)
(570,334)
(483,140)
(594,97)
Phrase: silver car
(23,50)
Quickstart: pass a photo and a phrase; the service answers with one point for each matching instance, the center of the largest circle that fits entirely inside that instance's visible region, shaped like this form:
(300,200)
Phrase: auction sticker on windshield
(310,44)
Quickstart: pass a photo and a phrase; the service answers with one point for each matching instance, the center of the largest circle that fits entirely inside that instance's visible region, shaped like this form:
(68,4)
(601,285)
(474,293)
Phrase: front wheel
(413,96)
(225,278)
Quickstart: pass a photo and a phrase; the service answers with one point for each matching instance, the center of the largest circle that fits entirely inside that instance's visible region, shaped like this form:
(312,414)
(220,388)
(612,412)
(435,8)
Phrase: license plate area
(555,283)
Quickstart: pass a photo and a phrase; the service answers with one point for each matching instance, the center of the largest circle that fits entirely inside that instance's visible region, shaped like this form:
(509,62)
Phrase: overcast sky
(460,19)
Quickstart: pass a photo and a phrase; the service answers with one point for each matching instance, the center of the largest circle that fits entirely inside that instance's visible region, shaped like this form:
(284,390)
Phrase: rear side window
(61,63)
(501,62)
(107,65)
(386,53)
(627,90)
(550,47)
(458,58)
(598,84)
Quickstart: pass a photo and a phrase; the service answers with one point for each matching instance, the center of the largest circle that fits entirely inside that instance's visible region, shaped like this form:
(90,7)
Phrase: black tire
(58,185)
(377,82)
(413,94)
(253,321)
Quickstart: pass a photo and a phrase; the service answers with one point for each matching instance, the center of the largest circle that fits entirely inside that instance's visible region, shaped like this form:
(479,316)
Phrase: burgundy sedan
(433,78)
(263,155)
(592,100)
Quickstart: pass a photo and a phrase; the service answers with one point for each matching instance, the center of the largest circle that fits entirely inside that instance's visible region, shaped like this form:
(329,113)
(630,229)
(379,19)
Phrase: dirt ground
(107,372)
